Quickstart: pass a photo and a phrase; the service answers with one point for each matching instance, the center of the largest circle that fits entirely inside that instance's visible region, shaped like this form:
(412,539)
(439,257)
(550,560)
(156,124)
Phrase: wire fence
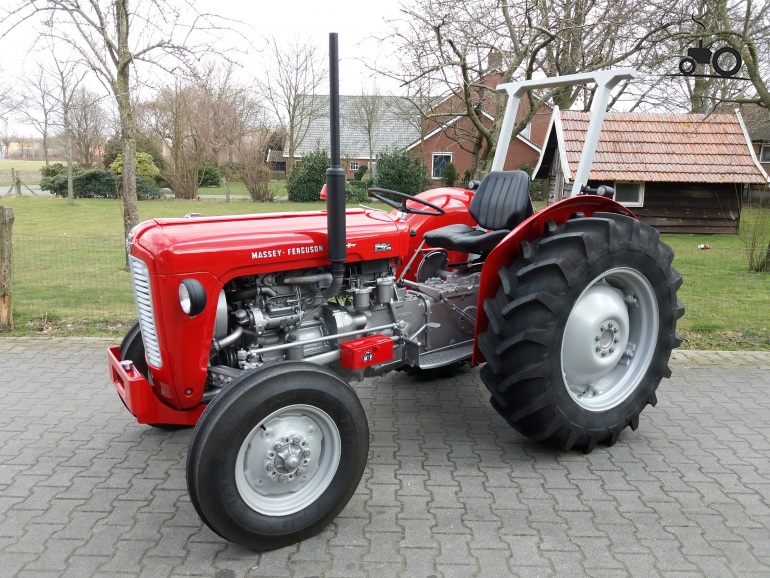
(71,283)
(81,284)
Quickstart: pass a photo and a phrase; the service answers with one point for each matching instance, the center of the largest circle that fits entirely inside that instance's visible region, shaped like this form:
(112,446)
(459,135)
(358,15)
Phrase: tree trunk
(122,91)
(68,149)
(6,268)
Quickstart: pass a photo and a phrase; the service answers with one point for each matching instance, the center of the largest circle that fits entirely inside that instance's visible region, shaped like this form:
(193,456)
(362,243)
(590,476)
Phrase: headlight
(192,297)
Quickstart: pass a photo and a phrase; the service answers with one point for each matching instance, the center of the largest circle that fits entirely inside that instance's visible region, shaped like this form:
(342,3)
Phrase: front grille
(140,277)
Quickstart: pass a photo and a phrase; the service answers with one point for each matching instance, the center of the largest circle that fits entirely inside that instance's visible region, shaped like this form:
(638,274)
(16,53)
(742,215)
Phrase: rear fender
(510,248)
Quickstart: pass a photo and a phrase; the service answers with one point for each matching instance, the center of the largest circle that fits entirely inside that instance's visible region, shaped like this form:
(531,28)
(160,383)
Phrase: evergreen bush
(449,175)
(308,176)
(400,171)
(208,175)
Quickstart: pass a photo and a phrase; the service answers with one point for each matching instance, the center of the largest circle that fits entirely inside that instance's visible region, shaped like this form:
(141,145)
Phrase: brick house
(450,137)
(447,138)
(397,129)
(680,173)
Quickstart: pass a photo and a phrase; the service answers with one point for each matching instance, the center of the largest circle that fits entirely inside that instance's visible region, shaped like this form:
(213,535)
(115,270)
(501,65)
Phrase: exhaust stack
(335,178)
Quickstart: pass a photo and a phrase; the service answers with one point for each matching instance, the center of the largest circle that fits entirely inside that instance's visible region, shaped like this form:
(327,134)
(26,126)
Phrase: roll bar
(605,80)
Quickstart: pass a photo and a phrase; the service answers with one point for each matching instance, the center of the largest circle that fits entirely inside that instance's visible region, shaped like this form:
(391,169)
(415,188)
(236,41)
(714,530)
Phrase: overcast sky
(356,22)
(311,21)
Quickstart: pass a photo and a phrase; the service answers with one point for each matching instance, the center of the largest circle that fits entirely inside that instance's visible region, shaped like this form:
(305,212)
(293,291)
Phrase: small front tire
(277,455)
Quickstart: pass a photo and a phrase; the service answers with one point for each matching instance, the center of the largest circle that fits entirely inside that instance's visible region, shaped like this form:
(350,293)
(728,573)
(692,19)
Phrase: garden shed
(681,173)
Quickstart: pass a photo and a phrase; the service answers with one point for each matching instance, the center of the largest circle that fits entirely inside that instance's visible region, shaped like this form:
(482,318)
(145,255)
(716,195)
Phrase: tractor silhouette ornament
(726,61)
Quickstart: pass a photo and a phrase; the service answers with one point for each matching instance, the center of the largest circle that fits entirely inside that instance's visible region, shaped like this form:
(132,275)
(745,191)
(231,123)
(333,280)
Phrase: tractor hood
(270,242)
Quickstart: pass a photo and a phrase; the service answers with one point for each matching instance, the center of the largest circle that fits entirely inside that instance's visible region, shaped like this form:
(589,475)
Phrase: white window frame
(640,202)
(527,131)
(433,164)
(764,153)
(354,165)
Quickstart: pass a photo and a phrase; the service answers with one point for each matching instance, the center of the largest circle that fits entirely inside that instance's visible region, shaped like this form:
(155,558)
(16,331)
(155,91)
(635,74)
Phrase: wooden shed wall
(697,208)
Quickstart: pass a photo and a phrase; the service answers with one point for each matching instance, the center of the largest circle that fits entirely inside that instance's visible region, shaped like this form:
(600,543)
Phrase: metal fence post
(6,268)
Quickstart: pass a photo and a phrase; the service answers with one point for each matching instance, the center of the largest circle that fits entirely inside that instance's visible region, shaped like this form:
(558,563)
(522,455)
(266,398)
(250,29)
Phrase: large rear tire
(277,455)
(581,331)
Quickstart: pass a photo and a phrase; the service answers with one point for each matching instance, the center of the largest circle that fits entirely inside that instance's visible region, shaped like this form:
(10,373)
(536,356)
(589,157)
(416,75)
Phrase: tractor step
(443,357)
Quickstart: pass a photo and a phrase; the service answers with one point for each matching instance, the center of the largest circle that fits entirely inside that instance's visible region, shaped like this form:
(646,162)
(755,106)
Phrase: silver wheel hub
(287,461)
(609,339)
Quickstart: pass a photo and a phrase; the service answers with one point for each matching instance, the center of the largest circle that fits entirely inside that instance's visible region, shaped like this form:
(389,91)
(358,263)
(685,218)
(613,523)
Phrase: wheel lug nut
(615,330)
(270,466)
(598,349)
(300,472)
(603,328)
(616,340)
(604,354)
(296,441)
(278,446)
(610,325)
(306,453)
(282,478)
(612,350)
(597,338)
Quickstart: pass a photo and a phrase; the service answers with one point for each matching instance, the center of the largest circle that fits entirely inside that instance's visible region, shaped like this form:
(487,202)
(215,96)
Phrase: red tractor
(252,327)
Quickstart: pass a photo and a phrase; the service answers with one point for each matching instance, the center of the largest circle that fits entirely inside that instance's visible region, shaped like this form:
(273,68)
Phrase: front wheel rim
(609,339)
(288,460)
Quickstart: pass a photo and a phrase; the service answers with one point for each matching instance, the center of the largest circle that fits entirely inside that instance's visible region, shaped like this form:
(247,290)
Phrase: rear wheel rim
(288,460)
(609,339)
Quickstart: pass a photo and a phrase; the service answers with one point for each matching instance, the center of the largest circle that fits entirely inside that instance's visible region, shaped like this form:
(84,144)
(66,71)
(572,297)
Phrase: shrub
(308,176)
(208,175)
(92,183)
(362,170)
(537,187)
(257,181)
(114,146)
(355,192)
(398,170)
(232,171)
(145,167)
(449,175)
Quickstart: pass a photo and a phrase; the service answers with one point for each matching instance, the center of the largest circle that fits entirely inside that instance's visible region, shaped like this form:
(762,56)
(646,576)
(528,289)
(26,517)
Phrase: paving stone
(449,490)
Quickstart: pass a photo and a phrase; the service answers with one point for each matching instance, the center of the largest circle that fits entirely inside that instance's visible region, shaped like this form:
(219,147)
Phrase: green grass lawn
(69,276)
(21,165)
(278,188)
(30,171)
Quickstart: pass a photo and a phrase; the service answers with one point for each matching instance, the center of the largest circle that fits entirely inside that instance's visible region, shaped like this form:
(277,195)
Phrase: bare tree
(745,26)
(88,122)
(67,80)
(6,138)
(368,112)
(112,37)
(291,82)
(174,116)
(469,47)
(37,109)
(8,100)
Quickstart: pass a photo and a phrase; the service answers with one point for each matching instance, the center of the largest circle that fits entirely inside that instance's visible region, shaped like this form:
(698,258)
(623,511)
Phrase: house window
(764,153)
(630,194)
(527,132)
(440,161)
(353,165)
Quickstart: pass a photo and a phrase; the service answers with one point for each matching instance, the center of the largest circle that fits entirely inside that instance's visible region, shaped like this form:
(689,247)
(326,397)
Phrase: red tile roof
(664,148)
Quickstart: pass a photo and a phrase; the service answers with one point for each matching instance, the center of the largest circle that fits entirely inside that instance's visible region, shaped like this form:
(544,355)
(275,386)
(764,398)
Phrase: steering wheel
(378,194)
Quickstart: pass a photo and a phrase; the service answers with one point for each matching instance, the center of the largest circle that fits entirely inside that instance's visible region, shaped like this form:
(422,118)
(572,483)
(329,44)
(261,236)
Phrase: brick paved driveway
(450,489)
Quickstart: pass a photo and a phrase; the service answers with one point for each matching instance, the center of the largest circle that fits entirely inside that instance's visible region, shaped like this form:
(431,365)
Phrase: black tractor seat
(500,203)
